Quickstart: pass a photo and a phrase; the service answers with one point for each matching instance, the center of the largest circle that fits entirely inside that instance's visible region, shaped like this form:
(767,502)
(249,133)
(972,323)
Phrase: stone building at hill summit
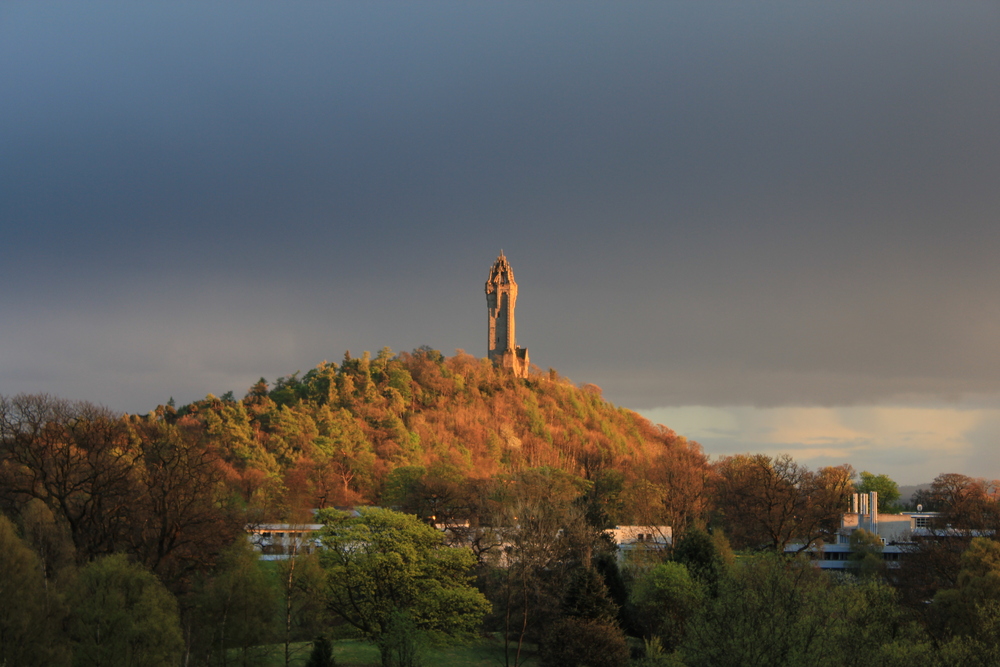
(501,295)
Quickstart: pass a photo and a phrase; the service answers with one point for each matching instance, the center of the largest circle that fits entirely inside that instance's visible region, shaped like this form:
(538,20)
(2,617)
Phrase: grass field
(355,653)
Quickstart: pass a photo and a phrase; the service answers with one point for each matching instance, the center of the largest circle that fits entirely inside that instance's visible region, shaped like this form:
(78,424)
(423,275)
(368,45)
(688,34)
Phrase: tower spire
(501,297)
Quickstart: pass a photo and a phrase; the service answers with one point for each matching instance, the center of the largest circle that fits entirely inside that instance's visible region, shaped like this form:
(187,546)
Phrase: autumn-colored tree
(966,502)
(334,436)
(773,502)
(77,458)
(674,487)
(180,516)
(932,559)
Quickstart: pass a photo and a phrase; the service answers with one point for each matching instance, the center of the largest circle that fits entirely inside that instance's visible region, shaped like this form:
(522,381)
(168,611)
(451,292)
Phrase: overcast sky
(771,227)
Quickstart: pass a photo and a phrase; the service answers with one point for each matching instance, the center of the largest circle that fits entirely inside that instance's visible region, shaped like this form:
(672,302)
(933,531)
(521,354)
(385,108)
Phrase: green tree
(768,613)
(664,599)
(705,556)
(403,485)
(866,554)
(29,615)
(48,538)
(382,563)
(239,606)
(402,643)
(587,596)
(545,536)
(774,611)
(322,654)
(122,615)
(969,610)
(864,626)
(888,490)
(584,642)
(301,591)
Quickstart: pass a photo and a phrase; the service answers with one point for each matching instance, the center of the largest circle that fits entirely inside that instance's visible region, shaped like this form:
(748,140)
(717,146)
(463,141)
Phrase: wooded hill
(157,506)
(388,429)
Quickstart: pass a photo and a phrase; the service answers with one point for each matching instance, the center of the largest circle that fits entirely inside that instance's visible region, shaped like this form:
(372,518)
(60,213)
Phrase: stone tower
(501,295)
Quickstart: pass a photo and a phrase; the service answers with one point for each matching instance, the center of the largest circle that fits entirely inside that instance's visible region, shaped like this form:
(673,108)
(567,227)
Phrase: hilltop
(370,429)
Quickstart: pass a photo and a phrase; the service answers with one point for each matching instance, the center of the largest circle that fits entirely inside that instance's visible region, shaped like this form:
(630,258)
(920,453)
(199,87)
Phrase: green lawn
(356,653)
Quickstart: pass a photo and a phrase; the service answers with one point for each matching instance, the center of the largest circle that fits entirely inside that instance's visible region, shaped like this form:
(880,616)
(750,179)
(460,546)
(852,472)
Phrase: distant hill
(906,492)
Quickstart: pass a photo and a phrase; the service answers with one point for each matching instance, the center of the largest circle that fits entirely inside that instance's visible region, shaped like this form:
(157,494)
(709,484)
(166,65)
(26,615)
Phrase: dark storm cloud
(703,204)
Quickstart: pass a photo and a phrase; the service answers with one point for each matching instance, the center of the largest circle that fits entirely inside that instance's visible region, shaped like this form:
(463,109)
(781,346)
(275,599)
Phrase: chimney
(873,499)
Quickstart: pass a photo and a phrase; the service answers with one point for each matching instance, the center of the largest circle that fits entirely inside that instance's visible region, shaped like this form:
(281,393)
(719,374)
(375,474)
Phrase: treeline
(153,510)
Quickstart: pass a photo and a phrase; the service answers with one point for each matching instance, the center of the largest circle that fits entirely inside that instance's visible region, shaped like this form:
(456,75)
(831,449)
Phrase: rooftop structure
(896,531)
(635,540)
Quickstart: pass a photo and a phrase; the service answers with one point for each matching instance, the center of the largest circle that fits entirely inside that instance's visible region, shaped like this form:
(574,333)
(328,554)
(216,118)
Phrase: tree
(122,615)
(767,614)
(587,634)
(75,457)
(863,625)
(585,643)
(932,561)
(401,643)
(866,554)
(301,589)
(239,605)
(888,490)
(682,471)
(545,536)
(48,538)
(30,615)
(383,563)
(966,502)
(773,611)
(665,598)
(322,654)
(773,502)
(587,596)
(179,522)
(964,610)
(701,554)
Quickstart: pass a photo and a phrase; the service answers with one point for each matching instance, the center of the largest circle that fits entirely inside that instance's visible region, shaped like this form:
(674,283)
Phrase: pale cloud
(913,444)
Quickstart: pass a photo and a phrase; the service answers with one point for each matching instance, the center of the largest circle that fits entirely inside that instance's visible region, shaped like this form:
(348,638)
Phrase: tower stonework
(501,295)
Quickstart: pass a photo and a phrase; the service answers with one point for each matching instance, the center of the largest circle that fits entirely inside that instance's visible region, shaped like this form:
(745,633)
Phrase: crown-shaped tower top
(501,273)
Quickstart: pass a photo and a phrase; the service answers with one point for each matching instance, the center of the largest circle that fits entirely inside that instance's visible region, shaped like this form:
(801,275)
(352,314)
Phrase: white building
(632,540)
(279,541)
(895,530)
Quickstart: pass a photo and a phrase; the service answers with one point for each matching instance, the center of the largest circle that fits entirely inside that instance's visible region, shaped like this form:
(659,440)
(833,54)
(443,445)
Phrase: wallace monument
(501,295)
